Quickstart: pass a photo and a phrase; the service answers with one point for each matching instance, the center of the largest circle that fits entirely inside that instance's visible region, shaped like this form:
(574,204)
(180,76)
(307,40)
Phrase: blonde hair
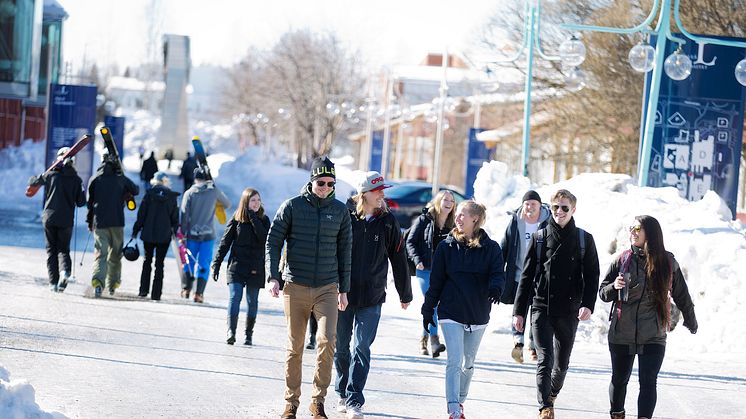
(436,204)
(474,209)
(564,193)
(242,212)
(360,205)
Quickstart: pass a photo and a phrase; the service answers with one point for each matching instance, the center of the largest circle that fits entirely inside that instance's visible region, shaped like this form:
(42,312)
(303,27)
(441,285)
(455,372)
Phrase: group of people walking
(329,260)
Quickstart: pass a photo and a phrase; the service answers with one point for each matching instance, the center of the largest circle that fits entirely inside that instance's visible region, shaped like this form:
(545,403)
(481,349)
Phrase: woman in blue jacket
(426,232)
(467,277)
(244,236)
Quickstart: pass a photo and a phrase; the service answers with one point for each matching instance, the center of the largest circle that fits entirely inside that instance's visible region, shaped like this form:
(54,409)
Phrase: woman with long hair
(467,277)
(426,233)
(639,283)
(244,236)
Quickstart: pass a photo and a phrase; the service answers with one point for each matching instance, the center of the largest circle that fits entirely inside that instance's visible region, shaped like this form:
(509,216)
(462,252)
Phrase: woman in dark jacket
(158,219)
(426,232)
(244,236)
(639,283)
(467,277)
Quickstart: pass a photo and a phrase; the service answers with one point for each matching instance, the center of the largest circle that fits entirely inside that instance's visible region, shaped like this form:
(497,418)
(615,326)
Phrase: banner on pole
(72,114)
(376,150)
(476,154)
(699,125)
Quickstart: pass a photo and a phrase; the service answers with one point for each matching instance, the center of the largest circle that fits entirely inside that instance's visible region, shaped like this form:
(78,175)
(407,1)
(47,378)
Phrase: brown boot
(423,346)
(546,413)
(290,412)
(198,298)
(617,415)
(435,346)
(517,353)
(317,409)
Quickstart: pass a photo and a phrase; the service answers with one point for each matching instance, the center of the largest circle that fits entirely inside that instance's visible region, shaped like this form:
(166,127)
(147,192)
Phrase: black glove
(692,326)
(33,179)
(494,295)
(215,272)
(427,319)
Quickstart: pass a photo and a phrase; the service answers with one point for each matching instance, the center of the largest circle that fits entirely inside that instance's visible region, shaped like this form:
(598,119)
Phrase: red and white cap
(373,181)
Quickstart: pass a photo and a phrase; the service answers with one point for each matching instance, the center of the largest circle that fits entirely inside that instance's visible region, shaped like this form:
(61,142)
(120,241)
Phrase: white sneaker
(342,406)
(355,412)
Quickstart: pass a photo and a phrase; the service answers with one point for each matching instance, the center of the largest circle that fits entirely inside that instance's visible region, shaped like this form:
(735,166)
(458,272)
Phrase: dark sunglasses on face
(635,228)
(564,208)
(321,183)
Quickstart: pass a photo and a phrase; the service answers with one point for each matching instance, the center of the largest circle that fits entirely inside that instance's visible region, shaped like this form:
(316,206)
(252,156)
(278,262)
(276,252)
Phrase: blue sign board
(72,114)
(699,125)
(116,126)
(376,151)
(477,153)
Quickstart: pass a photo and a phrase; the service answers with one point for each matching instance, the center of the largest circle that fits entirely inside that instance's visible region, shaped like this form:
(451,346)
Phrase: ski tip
(104,130)
(196,137)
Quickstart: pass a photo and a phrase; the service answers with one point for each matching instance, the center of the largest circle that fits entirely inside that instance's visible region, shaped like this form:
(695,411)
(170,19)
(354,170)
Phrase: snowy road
(127,358)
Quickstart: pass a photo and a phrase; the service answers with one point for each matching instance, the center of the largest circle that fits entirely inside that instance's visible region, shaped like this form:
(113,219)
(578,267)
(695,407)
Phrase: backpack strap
(539,248)
(581,245)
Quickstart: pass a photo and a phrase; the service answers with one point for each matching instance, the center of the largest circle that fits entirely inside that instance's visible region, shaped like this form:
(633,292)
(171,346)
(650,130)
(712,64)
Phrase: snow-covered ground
(127,358)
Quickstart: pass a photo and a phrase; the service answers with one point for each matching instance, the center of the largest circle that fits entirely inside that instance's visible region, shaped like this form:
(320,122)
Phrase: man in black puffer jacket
(562,281)
(317,229)
(106,199)
(64,191)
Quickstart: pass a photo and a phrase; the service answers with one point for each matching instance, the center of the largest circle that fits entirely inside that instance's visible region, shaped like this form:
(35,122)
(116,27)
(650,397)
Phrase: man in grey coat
(316,278)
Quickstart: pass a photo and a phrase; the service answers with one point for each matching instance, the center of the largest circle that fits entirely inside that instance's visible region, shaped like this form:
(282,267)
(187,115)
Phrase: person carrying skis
(63,192)
(638,283)
(106,200)
(157,221)
(244,236)
(197,224)
(376,241)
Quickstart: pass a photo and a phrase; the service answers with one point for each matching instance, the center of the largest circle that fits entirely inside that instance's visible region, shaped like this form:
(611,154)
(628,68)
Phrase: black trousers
(58,248)
(553,337)
(649,359)
(160,250)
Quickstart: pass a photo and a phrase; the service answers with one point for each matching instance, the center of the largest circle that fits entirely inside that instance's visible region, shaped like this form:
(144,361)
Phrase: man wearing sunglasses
(315,228)
(560,279)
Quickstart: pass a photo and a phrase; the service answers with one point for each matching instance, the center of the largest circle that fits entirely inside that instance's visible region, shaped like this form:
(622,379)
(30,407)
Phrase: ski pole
(75,242)
(85,248)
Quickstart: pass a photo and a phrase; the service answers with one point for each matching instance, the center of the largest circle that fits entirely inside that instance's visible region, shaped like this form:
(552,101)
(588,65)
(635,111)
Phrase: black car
(407,199)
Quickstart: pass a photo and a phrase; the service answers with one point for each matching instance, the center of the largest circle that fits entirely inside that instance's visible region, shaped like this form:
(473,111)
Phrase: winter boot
(435,346)
(232,324)
(63,282)
(617,415)
(186,285)
(311,341)
(250,321)
(546,413)
(54,287)
(423,346)
(517,353)
(200,291)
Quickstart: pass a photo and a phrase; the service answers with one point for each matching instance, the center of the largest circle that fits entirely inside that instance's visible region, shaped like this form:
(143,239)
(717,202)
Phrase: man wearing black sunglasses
(560,279)
(316,278)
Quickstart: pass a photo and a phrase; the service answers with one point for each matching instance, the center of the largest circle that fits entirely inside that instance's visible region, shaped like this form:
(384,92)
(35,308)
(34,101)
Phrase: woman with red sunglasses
(638,283)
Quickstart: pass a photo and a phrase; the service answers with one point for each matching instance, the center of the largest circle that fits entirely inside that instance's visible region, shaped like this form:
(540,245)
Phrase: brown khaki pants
(300,301)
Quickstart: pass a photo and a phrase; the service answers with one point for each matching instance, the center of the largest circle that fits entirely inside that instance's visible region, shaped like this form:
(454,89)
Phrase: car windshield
(400,191)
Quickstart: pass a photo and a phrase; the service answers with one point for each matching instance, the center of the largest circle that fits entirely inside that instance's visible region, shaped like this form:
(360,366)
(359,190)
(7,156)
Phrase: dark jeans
(234,305)
(58,247)
(553,338)
(650,359)
(352,369)
(160,254)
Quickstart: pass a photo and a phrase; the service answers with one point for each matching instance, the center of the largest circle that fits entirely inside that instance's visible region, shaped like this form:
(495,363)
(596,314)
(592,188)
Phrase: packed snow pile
(17,400)
(17,165)
(709,246)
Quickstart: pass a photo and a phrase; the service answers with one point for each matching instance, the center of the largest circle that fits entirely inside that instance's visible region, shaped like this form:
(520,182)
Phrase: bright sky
(221,31)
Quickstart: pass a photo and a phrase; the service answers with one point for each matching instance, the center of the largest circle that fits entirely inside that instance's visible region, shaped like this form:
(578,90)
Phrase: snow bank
(17,400)
(709,246)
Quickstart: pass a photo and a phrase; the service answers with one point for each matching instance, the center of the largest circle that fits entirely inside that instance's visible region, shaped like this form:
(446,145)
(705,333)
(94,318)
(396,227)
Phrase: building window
(50,52)
(16,34)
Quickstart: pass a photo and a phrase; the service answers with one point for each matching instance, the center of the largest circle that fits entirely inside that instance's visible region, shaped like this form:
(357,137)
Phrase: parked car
(407,199)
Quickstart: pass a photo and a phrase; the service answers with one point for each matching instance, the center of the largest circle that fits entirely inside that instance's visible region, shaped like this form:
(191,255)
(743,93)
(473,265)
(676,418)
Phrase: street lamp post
(677,65)
(439,128)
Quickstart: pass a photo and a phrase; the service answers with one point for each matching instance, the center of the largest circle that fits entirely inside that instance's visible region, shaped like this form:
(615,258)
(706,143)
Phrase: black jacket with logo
(64,191)
(375,242)
(246,243)
(106,193)
(158,215)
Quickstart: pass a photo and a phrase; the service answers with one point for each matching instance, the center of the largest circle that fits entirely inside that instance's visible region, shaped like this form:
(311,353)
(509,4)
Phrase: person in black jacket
(426,232)
(149,167)
(376,241)
(561,277)
(158,220)
(467,278)
(639,283)
(244,236)
(106,199)
(63,192)
(524,222)
(316,277)
(187,171)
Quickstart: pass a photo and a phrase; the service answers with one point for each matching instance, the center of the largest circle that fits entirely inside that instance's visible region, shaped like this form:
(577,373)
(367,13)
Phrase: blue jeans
(202,253)
(234,305)
(463,345)
(352,370)
(424,279)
